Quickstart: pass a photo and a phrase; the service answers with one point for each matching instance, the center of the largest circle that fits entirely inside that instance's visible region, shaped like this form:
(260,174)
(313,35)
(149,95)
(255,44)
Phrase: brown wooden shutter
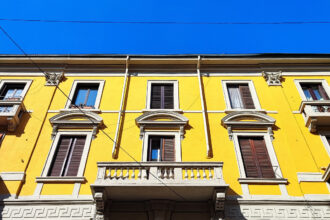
(263,159)
(255,157)
(155,102)
(168,96)
(168,149)
(246,96)
(323,92)
(75,157)
(60,156)
(249,160)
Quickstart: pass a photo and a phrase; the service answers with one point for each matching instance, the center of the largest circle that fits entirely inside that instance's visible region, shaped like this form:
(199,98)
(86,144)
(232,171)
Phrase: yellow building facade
(165,137)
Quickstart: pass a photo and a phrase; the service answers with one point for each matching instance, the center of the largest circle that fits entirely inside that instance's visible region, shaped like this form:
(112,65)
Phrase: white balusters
(204,174)
(140,173)
(133,174)
(185,173)
(127,173)
(210,173)
(109,174)
(192,173)
(198,174)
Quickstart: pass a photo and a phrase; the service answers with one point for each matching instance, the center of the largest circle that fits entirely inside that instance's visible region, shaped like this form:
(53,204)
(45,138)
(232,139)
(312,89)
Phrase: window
(161,148)
(67,157)
(314,91)
(162,95)
(255,157)
(240,95)
(12,91)
(85,94)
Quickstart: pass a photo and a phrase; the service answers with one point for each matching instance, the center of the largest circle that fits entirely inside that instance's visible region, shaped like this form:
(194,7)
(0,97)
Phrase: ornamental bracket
(53,79)
(273,78)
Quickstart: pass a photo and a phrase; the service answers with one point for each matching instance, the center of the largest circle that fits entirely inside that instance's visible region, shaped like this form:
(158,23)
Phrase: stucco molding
(60,179)
(84,120)
(262,181)
(326,175)
(248,120)
(169,119)
(273,78)
(309,177)
(12,176)
(53,79)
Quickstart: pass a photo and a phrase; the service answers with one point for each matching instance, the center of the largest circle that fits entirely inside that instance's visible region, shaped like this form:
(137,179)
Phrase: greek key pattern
(277,212)
(48,212)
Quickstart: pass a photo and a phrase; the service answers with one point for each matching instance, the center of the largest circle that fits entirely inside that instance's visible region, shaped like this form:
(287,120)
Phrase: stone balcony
(11,110)
(316,114)
(127,181)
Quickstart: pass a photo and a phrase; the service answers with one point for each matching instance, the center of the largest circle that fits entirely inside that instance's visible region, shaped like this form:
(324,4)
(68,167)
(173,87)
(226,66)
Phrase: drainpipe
(208,149)
(120,113)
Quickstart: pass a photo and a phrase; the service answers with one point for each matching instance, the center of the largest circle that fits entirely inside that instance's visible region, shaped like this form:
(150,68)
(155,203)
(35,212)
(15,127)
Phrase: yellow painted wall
(297,149)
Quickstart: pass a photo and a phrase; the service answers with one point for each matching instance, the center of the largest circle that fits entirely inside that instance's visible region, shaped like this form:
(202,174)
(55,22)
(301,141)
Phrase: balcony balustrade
(316,114)
(11,110)
(158,180)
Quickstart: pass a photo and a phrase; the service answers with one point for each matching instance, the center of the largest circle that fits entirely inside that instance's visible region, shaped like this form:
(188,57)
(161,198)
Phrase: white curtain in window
(235,98)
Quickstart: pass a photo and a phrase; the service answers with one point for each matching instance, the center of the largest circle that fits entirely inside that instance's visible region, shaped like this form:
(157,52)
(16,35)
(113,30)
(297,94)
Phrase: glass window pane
(317,94)
(155,154)
(80,96)
(9,93)
(92,97)
(235,97)
(307,94)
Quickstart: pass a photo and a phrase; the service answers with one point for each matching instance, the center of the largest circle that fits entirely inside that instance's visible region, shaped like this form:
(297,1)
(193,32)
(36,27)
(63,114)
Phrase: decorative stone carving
(53,79)
(168,120)
(99,198)
(273,78)
(219,197)
(248,120)
(65,120)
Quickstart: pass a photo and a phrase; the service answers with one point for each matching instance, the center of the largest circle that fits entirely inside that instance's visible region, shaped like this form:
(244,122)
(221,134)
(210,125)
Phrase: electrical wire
(106,134)
(161,22)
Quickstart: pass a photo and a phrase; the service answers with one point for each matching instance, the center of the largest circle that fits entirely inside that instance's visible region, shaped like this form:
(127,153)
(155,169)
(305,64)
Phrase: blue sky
(192,28)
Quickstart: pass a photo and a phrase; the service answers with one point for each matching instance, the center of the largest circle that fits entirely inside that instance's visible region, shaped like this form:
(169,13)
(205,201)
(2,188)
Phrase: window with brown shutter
(255,157)
(161,148)
(240,96)
(67,157)
(162,96)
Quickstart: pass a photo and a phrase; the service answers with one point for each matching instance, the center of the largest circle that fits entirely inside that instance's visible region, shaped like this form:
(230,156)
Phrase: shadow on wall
(4,193)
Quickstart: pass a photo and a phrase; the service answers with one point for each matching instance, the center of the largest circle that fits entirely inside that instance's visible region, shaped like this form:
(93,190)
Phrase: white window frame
(54,146)
(98,96)
(27,82)
(300,90)
(270,150)
(323,135)
(252,90)
(161,133)
(175,94)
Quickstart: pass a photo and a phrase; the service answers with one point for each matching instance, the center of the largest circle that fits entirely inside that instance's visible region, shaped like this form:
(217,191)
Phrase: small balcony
(132,181)
(11,110)
(316,114)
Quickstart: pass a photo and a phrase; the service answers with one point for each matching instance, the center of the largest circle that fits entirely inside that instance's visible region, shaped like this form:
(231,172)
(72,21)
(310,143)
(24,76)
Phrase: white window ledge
(309,177)
(12,176)
(262,181)
(166,110)
(83,109)
(245,110)
(61,179)
(326,175)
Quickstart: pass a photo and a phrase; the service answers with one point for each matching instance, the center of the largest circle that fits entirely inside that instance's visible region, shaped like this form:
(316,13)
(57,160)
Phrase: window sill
(264,181)
(163,110)
(245,110)
(60,179)
(83,109)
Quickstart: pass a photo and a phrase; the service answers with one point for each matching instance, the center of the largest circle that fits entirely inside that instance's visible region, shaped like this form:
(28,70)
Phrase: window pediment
(248,120)
(161,119)
(76,119)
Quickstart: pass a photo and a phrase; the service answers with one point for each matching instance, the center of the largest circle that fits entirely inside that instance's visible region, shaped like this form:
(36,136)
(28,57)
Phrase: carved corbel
(182,132)
(230,133)
(53,79)
(141,131)
(273,78)
(219,197)
(54,131)
(270,132)
(94,132)
(99,198)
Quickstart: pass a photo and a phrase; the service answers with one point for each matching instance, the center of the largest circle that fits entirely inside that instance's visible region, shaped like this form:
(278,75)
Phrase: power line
(106,134)
(162,22)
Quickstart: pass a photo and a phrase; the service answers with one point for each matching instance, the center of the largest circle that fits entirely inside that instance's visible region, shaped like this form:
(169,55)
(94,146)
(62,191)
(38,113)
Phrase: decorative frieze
(273,78)
(51,211)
